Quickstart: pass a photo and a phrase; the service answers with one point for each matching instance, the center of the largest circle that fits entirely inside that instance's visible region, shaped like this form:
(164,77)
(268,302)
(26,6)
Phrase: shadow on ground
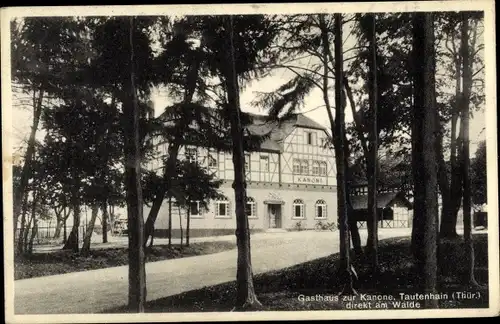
(285,289)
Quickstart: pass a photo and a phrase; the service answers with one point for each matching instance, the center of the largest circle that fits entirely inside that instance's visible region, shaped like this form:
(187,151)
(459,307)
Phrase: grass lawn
(52,263)
(282,289)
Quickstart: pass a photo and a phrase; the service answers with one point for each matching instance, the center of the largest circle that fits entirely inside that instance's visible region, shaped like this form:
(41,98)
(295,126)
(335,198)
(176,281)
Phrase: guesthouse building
(291,182)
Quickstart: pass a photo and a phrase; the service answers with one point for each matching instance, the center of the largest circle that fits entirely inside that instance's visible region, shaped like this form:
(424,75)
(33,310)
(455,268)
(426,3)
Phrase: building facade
(291,182)
(394,210)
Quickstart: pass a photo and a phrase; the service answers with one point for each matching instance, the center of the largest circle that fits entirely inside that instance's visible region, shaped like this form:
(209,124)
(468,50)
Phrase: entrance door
(274,213)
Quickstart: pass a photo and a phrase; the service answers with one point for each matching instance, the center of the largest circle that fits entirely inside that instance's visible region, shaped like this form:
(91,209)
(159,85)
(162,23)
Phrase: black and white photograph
(250,162)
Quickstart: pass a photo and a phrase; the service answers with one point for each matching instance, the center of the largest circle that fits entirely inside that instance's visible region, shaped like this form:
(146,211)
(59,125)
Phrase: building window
(296,166)
(191,154)
(322,168)
(320,209)
(298,208)
(315,168)
(304,167)
(264,163)
(222,209)
(194,209)
(250,208)
(310,138)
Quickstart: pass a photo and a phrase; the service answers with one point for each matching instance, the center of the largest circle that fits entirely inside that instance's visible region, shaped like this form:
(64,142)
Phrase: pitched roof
(383,200)
(303,121)
(278,131)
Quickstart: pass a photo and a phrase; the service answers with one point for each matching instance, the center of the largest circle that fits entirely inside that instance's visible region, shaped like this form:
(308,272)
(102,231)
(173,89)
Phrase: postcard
(177,163)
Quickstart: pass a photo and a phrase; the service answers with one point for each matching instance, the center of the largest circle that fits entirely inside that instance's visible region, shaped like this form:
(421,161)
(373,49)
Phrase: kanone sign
(309,180)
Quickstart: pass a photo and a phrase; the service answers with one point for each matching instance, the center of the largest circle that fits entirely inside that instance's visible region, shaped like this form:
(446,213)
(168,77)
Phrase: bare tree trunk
(27,171)
(173,150)
(353,227)
(105,217)
(112,214)
(427,126)
(90,229)
(26,233)
(59,225)
(188,225)
(22,229)
(417,148)
(444,187)
(169,172)
(465,162)
(340,161)
(372,222)
(59,221)
(451,194)
(169,221)
(153,214)
(180,224)
(34,232)
(136,255)
(353,224)
(65,235)
(72,243)
(245,293)
(66,215)
(32,219)
(328,58)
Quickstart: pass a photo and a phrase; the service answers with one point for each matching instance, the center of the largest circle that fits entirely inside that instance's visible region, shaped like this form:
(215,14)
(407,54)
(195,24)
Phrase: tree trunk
(452,195)
(416,146)
(328,57)
(72,241)
(444,187)
(353,228)
(22,229)
(188,225)
(105,217)
(340,162)
(173,151)
(34,232)
(180,224)
(372,221)
(169,173)
(169,221)
(153,214)
(32,219)
(353,224)
(449,216)
(66,215)
(27,171)
(425,103)
(465,161)
(136,255)
(59,225)
(65,234)
(112,214)
(245,293)
(26,234)
(90,229)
